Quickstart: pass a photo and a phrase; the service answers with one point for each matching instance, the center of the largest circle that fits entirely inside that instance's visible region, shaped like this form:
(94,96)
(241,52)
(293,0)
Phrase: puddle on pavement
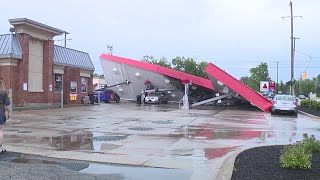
(123,172)
(85,140)
(74,141)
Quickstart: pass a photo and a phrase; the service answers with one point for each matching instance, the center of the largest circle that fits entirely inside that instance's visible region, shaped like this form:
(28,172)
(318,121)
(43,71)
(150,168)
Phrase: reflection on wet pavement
(212,153)
(75,141)
(164,136)
(205,133)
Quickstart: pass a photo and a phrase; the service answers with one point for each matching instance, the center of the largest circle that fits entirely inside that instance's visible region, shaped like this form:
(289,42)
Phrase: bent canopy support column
(212,99)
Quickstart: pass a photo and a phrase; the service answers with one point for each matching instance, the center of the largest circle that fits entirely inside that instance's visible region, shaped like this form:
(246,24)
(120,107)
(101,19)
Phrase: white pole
(61,97)
(99,97)
(10,97)
(185,97)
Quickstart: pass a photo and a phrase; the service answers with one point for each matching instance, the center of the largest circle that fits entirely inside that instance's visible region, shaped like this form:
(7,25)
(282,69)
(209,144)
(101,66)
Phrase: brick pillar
(90,84)
(23,67)
(5,75)
(48,47)
(71,74)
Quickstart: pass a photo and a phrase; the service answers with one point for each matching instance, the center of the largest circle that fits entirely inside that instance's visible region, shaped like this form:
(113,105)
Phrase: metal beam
(212,99)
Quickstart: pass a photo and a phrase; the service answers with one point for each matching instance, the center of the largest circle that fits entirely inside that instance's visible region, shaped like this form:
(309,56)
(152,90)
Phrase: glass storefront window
(57,82)
(84,84)
(73,87)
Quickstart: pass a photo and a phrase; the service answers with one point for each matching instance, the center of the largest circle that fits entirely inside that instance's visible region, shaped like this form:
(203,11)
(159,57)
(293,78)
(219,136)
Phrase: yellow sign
(73,97)
(305,75)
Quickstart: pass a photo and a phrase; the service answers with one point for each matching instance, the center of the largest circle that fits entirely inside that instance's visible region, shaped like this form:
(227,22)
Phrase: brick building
(36,70)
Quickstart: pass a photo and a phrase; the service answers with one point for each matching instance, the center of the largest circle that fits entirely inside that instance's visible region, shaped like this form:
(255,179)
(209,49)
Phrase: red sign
(272,86)
(265,86)
(147,82)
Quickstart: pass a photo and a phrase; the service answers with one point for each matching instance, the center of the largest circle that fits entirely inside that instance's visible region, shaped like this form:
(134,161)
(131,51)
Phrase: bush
(295,156)
(313,104)
(305,103)
(311,144)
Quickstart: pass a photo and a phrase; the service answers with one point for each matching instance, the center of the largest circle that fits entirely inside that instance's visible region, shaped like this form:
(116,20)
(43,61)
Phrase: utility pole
(292,53)
(292,49)
(277,76)
(65,38)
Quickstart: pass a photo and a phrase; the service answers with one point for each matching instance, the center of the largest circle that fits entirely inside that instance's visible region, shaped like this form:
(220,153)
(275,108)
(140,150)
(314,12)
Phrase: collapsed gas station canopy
(225,83)
(161,70)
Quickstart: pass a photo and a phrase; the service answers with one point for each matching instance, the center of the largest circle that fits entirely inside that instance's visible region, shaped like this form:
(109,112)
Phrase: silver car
(156,97)
(284,103)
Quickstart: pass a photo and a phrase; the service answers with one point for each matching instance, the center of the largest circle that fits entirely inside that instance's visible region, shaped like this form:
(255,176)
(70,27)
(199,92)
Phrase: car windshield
(155,94)
(284,98)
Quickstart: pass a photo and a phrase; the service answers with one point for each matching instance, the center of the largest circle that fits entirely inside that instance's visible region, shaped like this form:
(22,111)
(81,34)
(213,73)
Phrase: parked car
(284,103)
(302,96)
(156,97)
(270,97)
(106,95)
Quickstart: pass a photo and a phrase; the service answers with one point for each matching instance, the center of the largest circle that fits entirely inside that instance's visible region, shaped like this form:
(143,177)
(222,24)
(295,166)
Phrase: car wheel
(273,113)
(118,99)
(295,114)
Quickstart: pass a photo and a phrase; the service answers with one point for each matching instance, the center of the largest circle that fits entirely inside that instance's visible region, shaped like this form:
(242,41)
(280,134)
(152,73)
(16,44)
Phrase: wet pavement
(70,169)
(180,144)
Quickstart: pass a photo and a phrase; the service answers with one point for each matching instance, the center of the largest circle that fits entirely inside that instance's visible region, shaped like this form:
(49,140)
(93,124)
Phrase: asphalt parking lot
(194,142)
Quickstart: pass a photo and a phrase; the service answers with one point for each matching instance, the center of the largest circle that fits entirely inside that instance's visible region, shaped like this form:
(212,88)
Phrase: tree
(161,62)
(259,73)
(282,87)
(245,80)
(201,69)
(306,86)
(190,66)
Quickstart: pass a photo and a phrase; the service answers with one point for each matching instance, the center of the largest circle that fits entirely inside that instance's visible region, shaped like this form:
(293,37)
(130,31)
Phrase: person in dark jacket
(4,106)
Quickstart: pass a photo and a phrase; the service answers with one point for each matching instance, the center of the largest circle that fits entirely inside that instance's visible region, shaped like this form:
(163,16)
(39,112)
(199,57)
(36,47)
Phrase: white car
(284,103)
(156,97)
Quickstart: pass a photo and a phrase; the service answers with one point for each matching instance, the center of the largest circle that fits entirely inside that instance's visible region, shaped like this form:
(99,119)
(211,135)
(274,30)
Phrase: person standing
(4,103)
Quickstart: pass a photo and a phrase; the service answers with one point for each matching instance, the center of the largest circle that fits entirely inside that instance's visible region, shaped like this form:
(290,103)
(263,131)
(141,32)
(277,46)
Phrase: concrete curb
(226,169)
(302,112)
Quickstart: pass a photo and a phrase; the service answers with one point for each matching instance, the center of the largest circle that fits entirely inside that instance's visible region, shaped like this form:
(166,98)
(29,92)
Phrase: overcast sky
(236,35)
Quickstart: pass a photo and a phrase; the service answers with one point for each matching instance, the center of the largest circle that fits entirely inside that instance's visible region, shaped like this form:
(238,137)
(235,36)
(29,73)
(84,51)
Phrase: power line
(310,58)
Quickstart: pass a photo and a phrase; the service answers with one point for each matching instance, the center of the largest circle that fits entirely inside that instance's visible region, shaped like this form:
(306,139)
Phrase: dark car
(106,95)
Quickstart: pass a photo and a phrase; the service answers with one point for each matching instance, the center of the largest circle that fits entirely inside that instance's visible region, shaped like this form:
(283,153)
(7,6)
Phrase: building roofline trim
(2,56)
(71,65)
(36,24)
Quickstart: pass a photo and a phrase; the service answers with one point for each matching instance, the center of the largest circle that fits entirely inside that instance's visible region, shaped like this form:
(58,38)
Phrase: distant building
(99,81)
(36,70)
